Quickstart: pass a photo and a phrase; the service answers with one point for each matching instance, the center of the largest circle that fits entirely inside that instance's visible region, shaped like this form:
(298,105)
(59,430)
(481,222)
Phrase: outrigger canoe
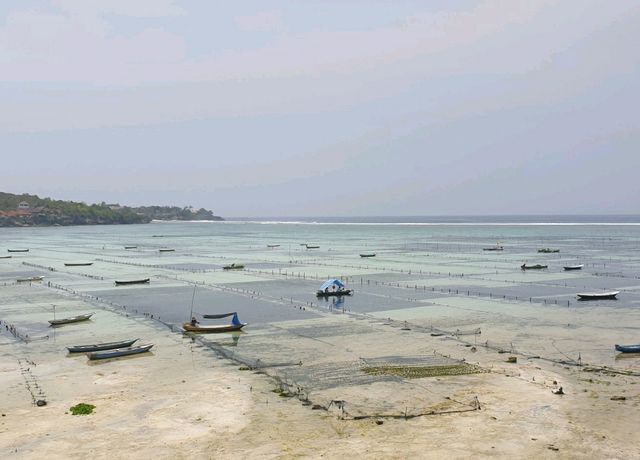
(598,295)
(117,352)
(17,250)
(77,264)
(124,283)
(166,250)
(371,254)
(101,346)
(73,319)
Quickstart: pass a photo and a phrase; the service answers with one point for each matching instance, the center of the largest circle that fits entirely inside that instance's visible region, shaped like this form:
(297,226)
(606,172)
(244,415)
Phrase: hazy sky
(362,107)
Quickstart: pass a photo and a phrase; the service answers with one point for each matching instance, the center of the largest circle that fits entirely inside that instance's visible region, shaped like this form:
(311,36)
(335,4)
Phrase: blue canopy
(333,282)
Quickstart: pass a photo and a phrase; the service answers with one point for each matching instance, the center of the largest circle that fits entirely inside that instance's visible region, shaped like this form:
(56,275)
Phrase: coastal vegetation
(27,210)
(82,409)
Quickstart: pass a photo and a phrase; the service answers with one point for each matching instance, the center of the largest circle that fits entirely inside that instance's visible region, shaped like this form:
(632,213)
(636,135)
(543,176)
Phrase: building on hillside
(23,205)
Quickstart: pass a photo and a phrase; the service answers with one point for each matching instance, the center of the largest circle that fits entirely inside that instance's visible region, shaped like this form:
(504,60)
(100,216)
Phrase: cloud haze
(324,108)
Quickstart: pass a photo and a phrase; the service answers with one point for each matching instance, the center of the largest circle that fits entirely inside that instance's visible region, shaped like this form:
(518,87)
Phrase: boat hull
(573,267)
(118,352)
(101,346)
(82,264)
(628,348)
(598,295)
(73,319)
(212,329)
(534,267)
(367,255)
(334,293)
(125,283)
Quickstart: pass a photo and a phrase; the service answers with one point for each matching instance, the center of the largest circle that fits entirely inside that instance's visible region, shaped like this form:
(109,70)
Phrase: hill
(30,210)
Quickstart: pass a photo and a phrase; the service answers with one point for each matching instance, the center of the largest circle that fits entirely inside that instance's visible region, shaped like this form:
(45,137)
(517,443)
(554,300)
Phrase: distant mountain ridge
(30,210)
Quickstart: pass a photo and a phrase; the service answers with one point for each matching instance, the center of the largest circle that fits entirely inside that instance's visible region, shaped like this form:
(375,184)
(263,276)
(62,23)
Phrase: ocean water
(431,273)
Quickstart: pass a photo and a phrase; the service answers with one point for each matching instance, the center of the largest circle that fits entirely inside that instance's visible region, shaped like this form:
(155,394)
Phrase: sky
(323,107)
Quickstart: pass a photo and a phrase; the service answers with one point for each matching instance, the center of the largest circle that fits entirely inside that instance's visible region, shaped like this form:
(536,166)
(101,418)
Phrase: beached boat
(77,264)
(6,257)
(29,279)
(573,267)
(548,250)
(533,267)
(233,267)
(73,319)
(333,288)
(494,248)
(368,254)
(101,346)
(126,282)
(131,247)
(117,352)
(235,325)
(166,250)
(628,348)
(598,295)
(312,246)
(273,245)
(17,250)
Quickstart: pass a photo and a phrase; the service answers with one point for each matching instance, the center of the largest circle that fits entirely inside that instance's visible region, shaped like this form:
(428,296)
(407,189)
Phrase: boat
(101,346)
(6,257)
(77,264)
(73,319)
(131,247)
(548,250)
(235,325)
(628,348)
(533,267)
(166,250)
(29,279)
(497,247)
(17,250)
(573,267)
(124,283)
(233,267)
(312,246)
(598,295)
(117,352)
(273,245)
(333,288)
(370,254)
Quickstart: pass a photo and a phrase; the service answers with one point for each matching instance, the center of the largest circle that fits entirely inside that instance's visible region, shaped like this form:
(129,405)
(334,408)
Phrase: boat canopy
(235,321)
(332,282)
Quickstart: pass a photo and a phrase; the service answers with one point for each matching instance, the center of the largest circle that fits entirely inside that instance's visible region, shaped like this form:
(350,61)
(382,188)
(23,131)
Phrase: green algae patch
(82,409)
(418,372)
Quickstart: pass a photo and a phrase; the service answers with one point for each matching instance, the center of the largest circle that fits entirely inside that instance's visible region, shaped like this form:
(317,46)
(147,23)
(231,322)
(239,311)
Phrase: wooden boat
(131,247)
(17,250)
(6,257)
(628,348)
(336,293)
(124,283)
(213,328)
(598,295)
(370,254)
(101,346)
(29,279)
(495,248)
(166,250)
(312,246)
(233,267)
(117,352)
(77,264)
(235,325)
(73,319)
(533,267)
(573,267)
(548,250)
(273,245)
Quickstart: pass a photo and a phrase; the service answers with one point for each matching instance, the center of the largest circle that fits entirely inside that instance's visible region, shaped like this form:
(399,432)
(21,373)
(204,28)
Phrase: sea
(423,273)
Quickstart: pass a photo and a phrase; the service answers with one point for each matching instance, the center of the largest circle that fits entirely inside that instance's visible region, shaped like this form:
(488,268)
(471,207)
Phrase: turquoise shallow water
(430,274)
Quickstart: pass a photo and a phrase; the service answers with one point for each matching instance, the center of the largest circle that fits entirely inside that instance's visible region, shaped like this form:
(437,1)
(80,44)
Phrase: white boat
(598,295)
(573,267)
